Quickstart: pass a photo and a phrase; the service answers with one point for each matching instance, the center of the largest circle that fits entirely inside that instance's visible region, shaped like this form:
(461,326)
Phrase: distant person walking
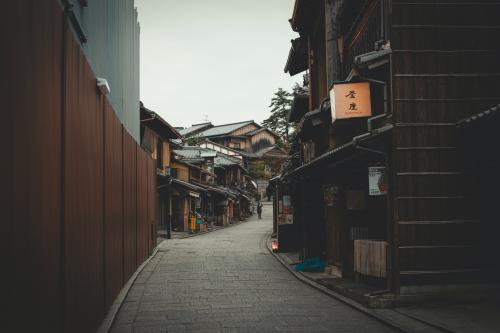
(259,209)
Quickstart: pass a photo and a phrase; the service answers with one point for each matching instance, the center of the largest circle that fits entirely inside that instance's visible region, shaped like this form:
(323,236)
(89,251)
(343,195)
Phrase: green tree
(194,140)
(277,121)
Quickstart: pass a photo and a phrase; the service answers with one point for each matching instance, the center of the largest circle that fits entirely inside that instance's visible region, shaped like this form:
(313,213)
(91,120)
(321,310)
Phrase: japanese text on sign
(350,100)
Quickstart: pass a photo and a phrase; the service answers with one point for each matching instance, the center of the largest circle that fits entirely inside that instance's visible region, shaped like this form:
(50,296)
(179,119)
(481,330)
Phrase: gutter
(70,13)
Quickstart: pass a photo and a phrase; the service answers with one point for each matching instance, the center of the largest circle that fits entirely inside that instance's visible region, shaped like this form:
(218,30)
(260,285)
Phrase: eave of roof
(252,133)
(302,20)
(262,152)
(187,185)
(333,152)
(195,127)
(151,119)
(297,57)
(479,118)
(373,59)
(224,129)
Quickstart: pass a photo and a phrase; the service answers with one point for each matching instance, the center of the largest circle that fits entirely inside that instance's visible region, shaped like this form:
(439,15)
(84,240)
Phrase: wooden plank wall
(82,192)
(445,67)
(69,224)
(142,205)
(129,205)
(30,172)
(113,205)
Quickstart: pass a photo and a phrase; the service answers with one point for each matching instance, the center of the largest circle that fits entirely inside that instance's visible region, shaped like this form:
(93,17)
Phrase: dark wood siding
(445,67)
(30,200)
(142,206)
(129,205)
(113,204)
(62,237)
(83,193)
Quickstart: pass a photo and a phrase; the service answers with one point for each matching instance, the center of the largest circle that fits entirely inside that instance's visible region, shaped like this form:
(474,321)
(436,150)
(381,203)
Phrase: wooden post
(331,35)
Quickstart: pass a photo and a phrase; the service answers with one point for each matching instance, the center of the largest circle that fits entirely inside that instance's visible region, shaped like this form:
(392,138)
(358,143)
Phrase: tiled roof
(266,150)
(188,186)
(150,118)
(480,118)
(224,129)
(193,128)
(223,160)
(258,130)
(297,57)
(194,152)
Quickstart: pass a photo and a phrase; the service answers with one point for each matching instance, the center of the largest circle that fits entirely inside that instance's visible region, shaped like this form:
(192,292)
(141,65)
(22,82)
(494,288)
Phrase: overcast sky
(220,59)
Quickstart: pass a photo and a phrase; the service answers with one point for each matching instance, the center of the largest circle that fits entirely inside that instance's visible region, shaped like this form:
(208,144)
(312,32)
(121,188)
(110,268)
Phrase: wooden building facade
(156,137)
(428,65)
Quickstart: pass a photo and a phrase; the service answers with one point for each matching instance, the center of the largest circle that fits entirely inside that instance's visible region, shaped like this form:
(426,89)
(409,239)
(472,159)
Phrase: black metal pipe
(70,13)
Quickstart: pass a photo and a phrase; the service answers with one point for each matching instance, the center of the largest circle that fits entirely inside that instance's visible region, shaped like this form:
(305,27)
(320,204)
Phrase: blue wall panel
(112,49)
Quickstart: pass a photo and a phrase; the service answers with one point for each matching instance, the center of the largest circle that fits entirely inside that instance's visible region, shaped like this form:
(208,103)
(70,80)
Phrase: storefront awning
(340,153)
(186,186)
(217,191)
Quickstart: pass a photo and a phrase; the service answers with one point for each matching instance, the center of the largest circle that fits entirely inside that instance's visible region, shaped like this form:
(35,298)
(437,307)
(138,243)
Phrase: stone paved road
(227,281)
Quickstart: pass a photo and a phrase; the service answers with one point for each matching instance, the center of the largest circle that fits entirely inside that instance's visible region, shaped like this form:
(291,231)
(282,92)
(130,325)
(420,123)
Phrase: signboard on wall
(287,204)
(377,181)
(350,100)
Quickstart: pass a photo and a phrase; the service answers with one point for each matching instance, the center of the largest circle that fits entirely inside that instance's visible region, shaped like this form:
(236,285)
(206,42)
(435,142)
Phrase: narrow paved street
(227,281)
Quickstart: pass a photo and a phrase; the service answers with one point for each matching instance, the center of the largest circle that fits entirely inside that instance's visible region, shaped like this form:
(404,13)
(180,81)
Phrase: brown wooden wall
(72,235)
(142,206)
(113,205)
(31,197)
(129,204)
(82,191)
(445,67)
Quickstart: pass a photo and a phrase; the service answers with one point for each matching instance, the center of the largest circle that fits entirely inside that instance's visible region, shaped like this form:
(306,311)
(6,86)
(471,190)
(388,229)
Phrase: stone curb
(109,320)
(333,294)
(376,314)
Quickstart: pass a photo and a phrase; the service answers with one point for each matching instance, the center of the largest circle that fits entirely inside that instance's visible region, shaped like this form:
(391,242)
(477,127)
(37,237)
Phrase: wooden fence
(78,193)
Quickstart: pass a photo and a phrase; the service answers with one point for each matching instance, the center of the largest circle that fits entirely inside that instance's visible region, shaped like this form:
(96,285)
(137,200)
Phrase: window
(159,154)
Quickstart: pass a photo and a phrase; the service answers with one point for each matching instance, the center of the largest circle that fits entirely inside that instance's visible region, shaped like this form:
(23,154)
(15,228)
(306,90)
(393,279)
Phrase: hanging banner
(377,181)
(350,100)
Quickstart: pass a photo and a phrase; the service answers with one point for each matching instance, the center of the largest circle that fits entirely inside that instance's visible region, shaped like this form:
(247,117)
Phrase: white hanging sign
(377,181)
